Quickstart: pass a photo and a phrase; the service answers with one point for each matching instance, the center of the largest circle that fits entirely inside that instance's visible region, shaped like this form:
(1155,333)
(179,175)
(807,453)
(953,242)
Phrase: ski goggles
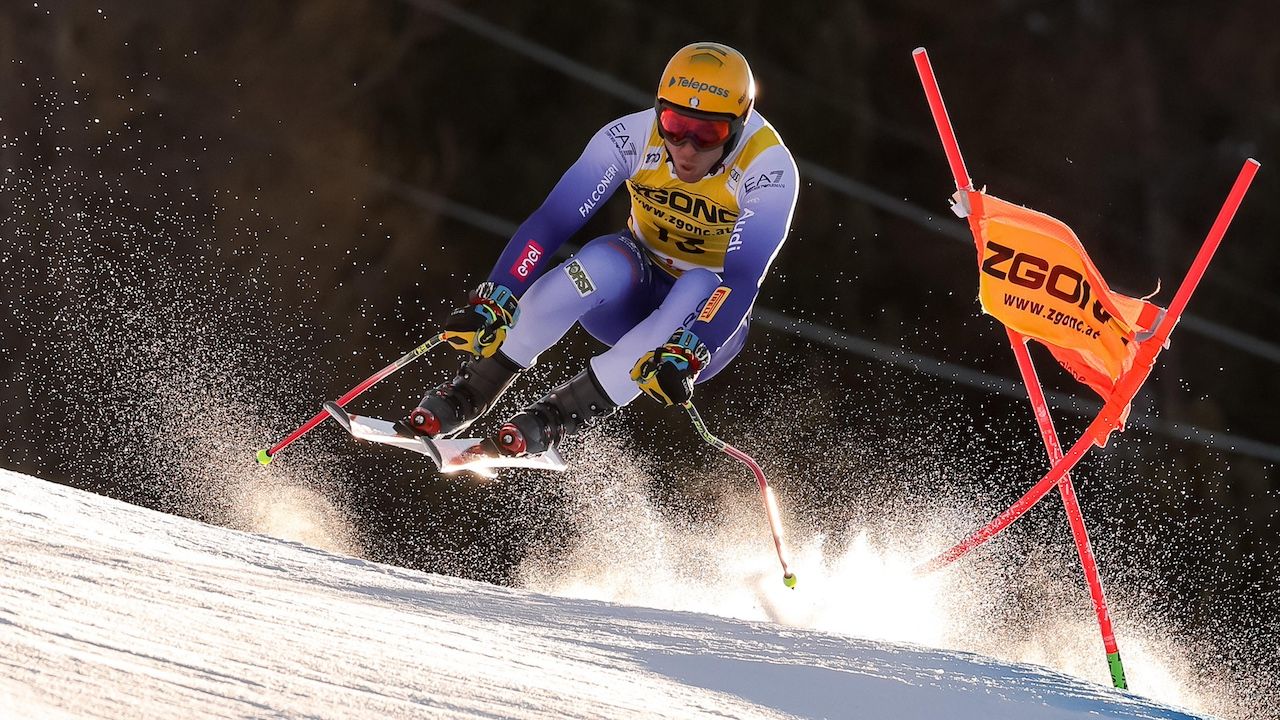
(678,128)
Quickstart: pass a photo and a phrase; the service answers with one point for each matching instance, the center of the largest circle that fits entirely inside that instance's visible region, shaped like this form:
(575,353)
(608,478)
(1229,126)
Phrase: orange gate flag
(1036,278)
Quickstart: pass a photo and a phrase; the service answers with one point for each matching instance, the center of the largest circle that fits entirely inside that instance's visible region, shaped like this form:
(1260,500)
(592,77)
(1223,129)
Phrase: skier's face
(690,163)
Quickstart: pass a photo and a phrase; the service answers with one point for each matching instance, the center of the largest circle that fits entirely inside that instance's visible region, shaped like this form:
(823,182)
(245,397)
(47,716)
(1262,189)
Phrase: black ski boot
(456,404)
(566,410)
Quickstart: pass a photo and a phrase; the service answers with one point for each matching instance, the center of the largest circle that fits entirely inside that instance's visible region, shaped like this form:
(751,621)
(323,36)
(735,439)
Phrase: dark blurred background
(302,190)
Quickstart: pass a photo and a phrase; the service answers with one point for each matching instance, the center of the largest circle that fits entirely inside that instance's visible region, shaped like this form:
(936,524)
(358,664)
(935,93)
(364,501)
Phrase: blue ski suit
(692,256)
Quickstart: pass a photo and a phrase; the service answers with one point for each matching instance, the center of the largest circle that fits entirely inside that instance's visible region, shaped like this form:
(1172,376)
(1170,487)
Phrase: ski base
(475,455)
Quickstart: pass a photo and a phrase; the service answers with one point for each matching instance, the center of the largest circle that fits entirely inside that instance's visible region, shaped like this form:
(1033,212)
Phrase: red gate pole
(1078,531)
(941,119)
(1047,432)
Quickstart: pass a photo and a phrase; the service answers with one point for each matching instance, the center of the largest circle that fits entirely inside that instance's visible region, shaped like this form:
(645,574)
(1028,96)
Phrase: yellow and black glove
(668,372)
(481,326)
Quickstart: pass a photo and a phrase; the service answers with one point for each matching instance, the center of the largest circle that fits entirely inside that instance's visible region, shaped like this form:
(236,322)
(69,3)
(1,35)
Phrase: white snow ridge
(109,610)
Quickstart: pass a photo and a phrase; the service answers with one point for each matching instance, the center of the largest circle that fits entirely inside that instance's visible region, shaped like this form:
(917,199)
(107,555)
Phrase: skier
(712,193)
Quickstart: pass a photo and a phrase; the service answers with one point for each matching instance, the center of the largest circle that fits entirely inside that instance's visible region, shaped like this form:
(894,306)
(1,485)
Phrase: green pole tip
(789,580)
(264,457)
(1117,671)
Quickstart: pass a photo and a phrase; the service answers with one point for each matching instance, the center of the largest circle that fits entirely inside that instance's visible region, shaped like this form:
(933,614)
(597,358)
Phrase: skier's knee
(694,287)
(700,279)
(609,257)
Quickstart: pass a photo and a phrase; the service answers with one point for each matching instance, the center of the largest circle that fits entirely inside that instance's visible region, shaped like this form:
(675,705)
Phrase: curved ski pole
(770,504)
(265,457)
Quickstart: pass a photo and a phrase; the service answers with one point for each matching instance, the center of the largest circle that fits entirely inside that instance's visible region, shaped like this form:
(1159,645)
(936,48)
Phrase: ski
(477,455)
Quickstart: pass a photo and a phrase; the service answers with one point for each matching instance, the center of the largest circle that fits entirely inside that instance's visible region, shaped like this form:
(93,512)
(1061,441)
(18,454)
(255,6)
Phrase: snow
(111,610)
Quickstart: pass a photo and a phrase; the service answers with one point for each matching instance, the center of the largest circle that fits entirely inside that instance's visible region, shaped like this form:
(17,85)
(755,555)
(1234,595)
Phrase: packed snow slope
(110,610)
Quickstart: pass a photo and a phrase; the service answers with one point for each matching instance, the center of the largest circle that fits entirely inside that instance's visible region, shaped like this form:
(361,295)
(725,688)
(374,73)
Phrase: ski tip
(432,451)
(789,580)
(337,413)
(264,458)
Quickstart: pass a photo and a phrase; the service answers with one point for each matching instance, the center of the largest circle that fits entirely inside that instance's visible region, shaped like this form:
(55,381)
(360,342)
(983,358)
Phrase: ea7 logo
(763,180)
(581,280)
(527,261)
(1032,272)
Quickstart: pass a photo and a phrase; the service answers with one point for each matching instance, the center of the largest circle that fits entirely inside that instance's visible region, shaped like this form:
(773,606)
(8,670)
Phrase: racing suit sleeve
(767,198)
(608,160)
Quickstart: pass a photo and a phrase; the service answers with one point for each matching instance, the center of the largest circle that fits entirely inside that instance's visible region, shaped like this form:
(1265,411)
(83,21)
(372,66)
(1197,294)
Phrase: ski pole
(770,504)
(266,456)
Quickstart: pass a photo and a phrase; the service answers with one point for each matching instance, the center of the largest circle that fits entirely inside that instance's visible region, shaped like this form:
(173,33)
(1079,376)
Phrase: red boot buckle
(511,440)
(425,421)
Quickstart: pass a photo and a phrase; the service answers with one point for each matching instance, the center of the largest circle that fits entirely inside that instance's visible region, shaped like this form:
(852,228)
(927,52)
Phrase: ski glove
(667,374)
(481,326)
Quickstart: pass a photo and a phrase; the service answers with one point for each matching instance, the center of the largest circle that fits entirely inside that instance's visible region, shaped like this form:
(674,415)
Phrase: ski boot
(453,406)
(566,410)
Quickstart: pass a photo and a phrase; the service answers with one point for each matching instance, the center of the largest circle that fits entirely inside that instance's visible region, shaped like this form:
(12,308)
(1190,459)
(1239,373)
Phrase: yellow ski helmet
(710,81)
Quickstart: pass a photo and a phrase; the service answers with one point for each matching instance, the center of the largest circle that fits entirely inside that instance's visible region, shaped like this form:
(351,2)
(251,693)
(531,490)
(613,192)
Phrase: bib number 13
(691,245)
